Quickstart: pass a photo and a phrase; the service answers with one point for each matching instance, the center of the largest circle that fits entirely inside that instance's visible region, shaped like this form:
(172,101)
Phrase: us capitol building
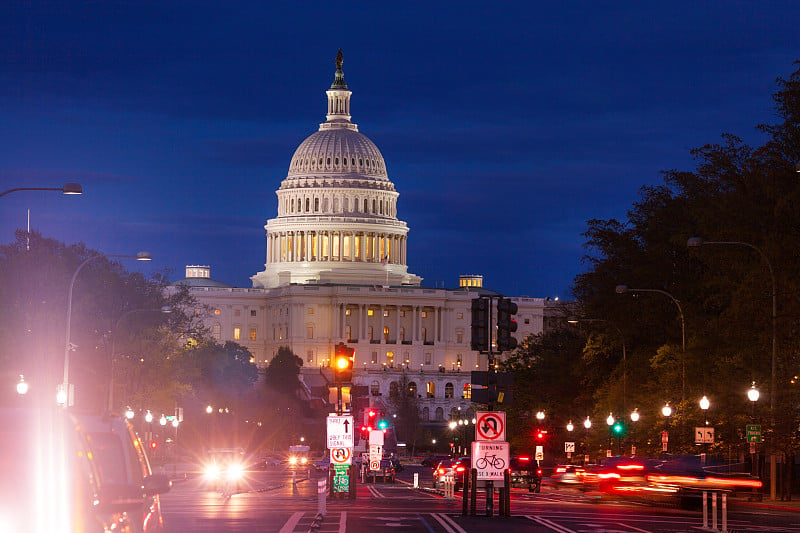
(337,271)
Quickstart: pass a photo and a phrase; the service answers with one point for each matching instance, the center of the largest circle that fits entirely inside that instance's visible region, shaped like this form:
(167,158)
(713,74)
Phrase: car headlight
(235,472)
(211,471)
(304,460)
(292,460)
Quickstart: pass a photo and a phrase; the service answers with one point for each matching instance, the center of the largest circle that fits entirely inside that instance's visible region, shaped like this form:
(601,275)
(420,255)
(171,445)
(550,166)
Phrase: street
(271,502)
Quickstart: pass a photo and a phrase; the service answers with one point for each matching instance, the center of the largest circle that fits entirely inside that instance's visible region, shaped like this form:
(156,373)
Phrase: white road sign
(569,447)
(703,435)
(375,454)
(490,426)
(490,459)
(340,432)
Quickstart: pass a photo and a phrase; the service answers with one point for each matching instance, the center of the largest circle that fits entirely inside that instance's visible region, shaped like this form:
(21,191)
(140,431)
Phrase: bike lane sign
(490,426)
(490,459)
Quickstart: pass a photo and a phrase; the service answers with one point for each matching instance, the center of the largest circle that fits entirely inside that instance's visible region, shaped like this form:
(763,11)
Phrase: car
(224,469)
(568,475)
(386,472)
(434,460)
(451,468)
(323,464)
(525,473)
(114,458)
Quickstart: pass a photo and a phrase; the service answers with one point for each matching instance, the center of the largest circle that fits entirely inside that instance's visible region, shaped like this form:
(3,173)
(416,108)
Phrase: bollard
(465,494)
(473,483)
(724,512)
(705,509)
(714,511)
(321,496)
(416,480)
(294,482)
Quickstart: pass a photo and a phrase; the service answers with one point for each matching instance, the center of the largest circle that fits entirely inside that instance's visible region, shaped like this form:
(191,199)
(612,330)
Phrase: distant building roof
(200,276)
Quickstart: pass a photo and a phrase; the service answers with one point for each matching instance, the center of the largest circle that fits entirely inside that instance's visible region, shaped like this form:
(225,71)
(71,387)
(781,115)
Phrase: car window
(109,458)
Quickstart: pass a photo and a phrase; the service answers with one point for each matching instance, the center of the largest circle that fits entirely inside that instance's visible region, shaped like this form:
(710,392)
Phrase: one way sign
(340,432)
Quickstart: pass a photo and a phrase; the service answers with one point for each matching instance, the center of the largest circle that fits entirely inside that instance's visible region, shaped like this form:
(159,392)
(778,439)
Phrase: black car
(385,472)
(525,473)
(451,468)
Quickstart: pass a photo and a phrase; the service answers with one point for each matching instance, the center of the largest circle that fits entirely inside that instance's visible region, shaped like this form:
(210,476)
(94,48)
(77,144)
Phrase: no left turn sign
(490,426)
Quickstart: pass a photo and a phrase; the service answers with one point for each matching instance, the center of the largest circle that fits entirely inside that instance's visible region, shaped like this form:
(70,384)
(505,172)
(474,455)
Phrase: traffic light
(383,424)
(480,325)
(343,362)
(541,435)
(618,428)
(506,325)
(153,445)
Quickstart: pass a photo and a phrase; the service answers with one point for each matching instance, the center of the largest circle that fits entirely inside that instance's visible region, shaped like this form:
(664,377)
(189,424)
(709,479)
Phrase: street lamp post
(65,394)
(695,242)
(68,188)
(620,289)
(587,424)
(634,419)
(575,320)
(752,395)
(667,412)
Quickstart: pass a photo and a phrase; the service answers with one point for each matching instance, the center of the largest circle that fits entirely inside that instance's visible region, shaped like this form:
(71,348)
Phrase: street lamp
(620,289)
(540,416)
(22,386)
(667,412)
(129,414)
(166,309)
(570,427)
(696,242)
(64,393)
(704,405)
(752,395)
(575,320)
(634,419)
(68,188)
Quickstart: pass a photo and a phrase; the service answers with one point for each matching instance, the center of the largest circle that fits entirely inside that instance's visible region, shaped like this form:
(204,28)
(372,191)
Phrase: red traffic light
(372,413)
(153,445)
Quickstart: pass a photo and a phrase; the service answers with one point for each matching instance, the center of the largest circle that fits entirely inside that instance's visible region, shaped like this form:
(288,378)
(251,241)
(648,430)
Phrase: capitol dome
(337,209)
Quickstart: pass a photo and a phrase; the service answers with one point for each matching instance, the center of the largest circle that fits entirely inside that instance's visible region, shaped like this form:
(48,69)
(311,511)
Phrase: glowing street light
(22,386)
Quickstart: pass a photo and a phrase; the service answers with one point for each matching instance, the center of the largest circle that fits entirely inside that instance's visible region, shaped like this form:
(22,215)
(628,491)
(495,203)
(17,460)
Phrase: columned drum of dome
(337,210)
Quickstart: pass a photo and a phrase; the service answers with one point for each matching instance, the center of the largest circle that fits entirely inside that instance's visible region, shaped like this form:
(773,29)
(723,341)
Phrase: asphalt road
(271,502)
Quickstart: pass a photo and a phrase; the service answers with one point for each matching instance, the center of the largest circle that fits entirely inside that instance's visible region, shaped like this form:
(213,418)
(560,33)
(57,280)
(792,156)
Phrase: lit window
(467,391)
(460,315)
(252,334)
(402,313)
(217,312)
(348,333)
(310,311)
(430,389)
(370,312)
(237,333)
(386,313)
(424,314)
(347,312)
(448,390)
(374,357)
(310,356)
(386,333)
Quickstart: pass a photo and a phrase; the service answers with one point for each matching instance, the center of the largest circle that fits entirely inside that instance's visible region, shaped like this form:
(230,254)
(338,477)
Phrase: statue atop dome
(338,80)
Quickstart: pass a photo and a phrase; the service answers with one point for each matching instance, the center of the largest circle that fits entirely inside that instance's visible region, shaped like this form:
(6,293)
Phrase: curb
(771,506)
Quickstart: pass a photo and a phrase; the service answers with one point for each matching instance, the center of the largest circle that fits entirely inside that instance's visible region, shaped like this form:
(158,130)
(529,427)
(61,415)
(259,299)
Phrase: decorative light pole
(22,386)
(64,394)
(704,405)
(621,289)
(634,419)
(587,424)
(667,412)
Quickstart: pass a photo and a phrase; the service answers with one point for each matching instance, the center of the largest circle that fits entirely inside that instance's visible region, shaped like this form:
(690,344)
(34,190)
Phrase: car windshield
(109,457)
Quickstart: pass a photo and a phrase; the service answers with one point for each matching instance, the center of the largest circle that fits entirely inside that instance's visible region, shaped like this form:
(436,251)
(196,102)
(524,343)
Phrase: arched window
(316,204)
(375,389)
(393,390)
(426,414)
(308,204)
(455,414)
(430,389)
(217,330)
(412,389)
(439,413)
(365,205)
(467,391)
(448,390)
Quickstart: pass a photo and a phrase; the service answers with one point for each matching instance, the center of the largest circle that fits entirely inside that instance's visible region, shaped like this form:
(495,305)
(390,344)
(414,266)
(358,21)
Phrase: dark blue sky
(505,126)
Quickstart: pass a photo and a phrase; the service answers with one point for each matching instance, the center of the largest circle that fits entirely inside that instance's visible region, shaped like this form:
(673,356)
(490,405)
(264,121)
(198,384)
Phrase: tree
(404,402)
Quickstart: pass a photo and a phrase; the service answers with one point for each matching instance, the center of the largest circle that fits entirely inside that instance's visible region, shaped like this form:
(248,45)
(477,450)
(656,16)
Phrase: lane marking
(549,524)
(288,527)
(439,517)
(343,522)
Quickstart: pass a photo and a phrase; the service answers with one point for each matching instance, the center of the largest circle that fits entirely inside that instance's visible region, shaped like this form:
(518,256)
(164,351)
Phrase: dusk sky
(505,126)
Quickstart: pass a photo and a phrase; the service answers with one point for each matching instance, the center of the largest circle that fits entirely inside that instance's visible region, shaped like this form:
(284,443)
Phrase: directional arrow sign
(340,432)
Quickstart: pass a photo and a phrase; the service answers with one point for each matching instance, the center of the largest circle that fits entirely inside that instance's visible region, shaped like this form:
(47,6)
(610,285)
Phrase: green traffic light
(617,428)
(383,424)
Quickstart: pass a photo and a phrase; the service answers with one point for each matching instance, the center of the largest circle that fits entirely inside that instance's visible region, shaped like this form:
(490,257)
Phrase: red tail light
(524,458)
(539,471)
(440,471)
(460,469)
